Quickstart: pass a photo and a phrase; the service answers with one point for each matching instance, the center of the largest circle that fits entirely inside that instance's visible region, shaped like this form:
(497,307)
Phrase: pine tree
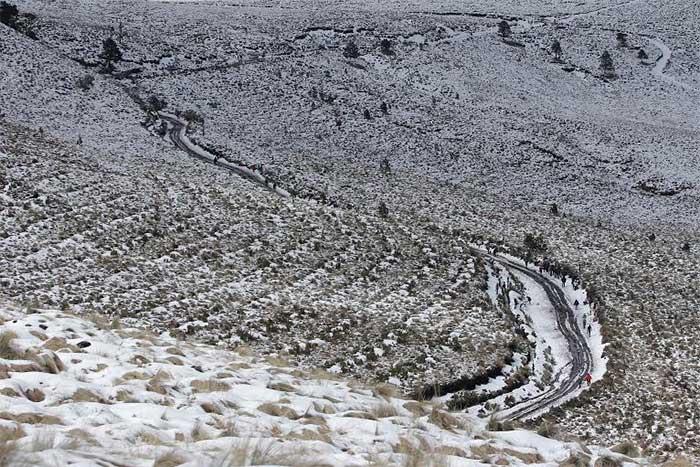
(387,48)
(351,50)
(504,29)
(384,108)
(642,55)
(621,40)
(367,115)
(556,50)
(383,209)
(8,14)
(110,53)
(606,65)
(385,166)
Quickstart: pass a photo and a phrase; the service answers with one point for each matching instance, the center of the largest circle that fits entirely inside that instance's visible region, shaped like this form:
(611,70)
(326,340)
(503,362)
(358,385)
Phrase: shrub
(86,82)
(351,50)
(504,29)
(534,243)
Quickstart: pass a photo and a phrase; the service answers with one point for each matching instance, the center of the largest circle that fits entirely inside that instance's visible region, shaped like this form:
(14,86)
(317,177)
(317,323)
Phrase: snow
(121,397)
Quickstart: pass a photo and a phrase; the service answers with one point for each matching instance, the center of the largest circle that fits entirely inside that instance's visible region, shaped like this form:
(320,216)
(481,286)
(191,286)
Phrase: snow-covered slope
(88,392)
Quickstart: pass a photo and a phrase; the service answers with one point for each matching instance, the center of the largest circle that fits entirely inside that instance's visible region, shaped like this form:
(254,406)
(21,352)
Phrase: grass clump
(7,351)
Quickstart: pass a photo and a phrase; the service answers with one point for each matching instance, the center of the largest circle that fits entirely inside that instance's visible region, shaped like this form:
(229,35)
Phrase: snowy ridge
(87,392)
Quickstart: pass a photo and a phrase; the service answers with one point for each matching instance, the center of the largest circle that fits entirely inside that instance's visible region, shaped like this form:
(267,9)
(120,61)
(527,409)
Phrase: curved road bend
(177,133)
(581,354)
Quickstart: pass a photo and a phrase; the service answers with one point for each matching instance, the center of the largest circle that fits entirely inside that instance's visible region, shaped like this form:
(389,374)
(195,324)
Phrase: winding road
(562,389)
(177,132)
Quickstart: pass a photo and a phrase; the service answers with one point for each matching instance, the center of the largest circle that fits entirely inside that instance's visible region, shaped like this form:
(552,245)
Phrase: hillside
(79,392)
(482,140)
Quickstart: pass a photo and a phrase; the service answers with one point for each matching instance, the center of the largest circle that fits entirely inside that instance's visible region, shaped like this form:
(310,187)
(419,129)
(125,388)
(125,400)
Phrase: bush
(351,50)
(504,29)
(534,242)
(386,47)
(86,82)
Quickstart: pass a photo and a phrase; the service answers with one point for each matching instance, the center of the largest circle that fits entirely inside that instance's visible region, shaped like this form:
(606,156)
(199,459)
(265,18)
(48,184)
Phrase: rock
(83,344)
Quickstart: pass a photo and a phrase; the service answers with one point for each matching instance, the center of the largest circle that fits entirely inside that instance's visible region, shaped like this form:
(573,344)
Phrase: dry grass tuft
(129,375)
(12,433)
(359,414)
(175,351)
(277,410)
(83,437)
(263,452)
(85,395)
(209,385)
(9,392)
(155,384)
(210,407)
(174,361)
(59,343)
(327,409)
(9,454)
(384,410)
(443,419)
(150,438)
(306,434)
(282,387)
(278,362)
(170,459)
(385,390)
(418,409)
(50,362)
(31,418)
(199,433)
(39,335)
(43,440)
(627,448)
(419,454)
(124,395)
(7,351)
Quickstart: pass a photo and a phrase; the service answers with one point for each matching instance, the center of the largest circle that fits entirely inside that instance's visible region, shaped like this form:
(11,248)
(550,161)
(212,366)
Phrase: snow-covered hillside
(89,392)
(480,139)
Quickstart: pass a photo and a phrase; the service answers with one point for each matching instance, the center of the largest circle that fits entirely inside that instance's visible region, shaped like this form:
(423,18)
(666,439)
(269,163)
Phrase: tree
(351,50)
(504,29)
(554,209)
(155,104)
(85,82)
(385,167)
(621,40)
(192,116)
(383,209)
(556,50)
(606,65)
(367,115)
(384,108)
(110,54)
(534,242)
(642,55)
(386,47)
(8,14)
(686,246)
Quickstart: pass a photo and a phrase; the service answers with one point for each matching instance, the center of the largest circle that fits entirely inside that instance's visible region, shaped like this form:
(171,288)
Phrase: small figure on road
(588,378)
(589,330)
(576,304)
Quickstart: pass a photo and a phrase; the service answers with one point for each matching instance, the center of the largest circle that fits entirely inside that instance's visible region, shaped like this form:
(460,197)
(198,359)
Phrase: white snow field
(88,392)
